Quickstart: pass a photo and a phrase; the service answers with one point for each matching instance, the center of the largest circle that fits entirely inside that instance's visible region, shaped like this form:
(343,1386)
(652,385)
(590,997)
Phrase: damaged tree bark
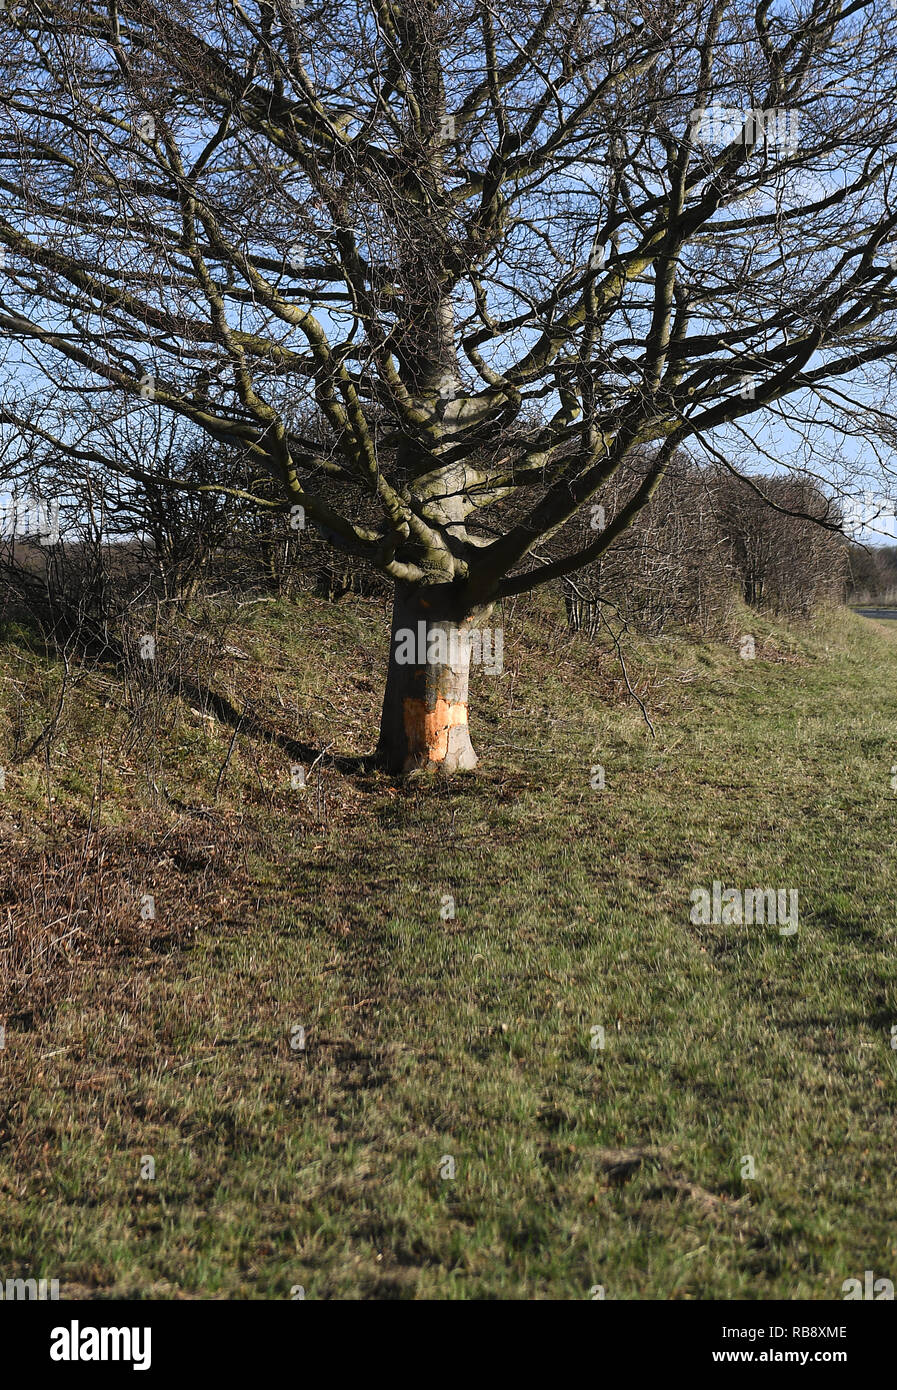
(425,708)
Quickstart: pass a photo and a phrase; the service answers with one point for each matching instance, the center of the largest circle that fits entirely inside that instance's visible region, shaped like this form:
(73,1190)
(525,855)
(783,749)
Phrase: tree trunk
(424,721)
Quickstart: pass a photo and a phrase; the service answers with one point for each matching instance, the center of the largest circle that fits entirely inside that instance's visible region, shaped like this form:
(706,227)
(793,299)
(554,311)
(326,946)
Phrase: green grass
(469,1036)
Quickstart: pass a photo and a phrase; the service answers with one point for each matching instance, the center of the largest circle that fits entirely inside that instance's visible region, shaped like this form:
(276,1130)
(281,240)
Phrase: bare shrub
(670,570)
(785,558)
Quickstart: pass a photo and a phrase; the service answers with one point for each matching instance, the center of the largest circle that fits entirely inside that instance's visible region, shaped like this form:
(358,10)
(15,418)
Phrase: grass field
(438,1043)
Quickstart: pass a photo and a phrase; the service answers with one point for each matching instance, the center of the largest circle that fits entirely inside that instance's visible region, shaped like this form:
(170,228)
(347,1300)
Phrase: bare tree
(784,560)
(670,569)
(496,248)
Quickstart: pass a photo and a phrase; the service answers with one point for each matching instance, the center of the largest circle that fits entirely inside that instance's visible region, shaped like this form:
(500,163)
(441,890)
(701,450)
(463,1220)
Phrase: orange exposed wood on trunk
(429,728)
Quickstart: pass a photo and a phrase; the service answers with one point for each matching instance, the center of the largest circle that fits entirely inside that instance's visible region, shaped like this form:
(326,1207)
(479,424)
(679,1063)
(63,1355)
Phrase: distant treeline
(706,538)
(873,574)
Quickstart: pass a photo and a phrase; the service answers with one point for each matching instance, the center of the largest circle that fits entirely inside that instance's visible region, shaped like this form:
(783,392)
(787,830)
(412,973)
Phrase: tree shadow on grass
(246,721)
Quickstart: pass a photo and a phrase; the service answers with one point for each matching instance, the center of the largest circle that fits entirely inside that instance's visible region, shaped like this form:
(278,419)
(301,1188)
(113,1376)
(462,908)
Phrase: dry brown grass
(80,899)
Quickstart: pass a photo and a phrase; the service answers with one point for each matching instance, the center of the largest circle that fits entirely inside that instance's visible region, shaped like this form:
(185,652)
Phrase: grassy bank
(431,1037)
